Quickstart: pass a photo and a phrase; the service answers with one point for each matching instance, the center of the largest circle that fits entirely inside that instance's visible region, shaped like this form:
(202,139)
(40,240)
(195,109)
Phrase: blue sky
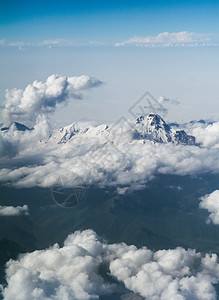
(79,37)
(107,21)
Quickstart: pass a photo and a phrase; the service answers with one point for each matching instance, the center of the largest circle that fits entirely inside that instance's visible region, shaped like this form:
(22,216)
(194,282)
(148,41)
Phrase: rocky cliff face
(153,127)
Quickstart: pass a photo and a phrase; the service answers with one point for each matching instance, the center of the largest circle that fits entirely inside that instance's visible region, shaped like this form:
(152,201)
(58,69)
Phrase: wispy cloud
(19,44)
(169,39)
(163,39)
(50,43)
(57,42)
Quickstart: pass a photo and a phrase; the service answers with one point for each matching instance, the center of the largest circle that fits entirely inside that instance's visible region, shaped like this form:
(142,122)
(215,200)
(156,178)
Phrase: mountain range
(144,128)
(148,128)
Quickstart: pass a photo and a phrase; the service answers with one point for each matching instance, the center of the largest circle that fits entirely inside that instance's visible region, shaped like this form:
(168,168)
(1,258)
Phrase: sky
(169,48)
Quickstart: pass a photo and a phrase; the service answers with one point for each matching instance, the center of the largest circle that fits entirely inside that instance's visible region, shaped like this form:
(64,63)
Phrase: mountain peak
(149,127)
(152,119)
(153,127)
(17,126)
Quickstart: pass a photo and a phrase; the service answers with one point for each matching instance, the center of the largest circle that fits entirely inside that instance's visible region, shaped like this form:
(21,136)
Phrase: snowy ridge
(150,128)
(65,134)
(153,127)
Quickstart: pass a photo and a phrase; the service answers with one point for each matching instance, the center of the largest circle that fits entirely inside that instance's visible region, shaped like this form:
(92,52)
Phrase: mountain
(150,127)
(16,126)
(65,134)
(153,127)
(193,122)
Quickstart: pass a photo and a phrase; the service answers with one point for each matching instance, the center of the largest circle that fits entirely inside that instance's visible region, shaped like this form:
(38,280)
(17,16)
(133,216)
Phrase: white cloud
(169,39)
(13,210)
(211,203)
(51,42)
(206,134)
(163,39)
(72,271)
(58,42)
(20,44)
(14,141)
(167,274)
(165,100)
(43,97)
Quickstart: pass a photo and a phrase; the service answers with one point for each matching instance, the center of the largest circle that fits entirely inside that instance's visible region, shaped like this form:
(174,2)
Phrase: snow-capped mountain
(16,126)
(150,127)
(65,134)
(153,127)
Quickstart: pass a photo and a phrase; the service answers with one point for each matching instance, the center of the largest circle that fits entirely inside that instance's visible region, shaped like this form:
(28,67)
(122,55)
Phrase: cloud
(98,156)
(50,43)
(58,42)
(14,141)
(211,203)
(206,134)
(167,274)
(20,44)
(13,211)
(169,39)
(165,100)
(72,271)
(43,97)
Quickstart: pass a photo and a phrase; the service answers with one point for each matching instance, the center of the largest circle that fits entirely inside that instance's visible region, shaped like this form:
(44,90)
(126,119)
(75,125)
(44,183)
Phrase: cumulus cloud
(168,39)
(72,271)
(13,211)
(207,135)
(167,274)
(211,203)
(43,97)
(100,156)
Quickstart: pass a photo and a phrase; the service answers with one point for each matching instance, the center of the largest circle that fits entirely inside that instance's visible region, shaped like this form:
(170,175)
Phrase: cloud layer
(13,211)
(72,271)
(42,97)
(102,155)
(163,39)
(168,39)
(211,203)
